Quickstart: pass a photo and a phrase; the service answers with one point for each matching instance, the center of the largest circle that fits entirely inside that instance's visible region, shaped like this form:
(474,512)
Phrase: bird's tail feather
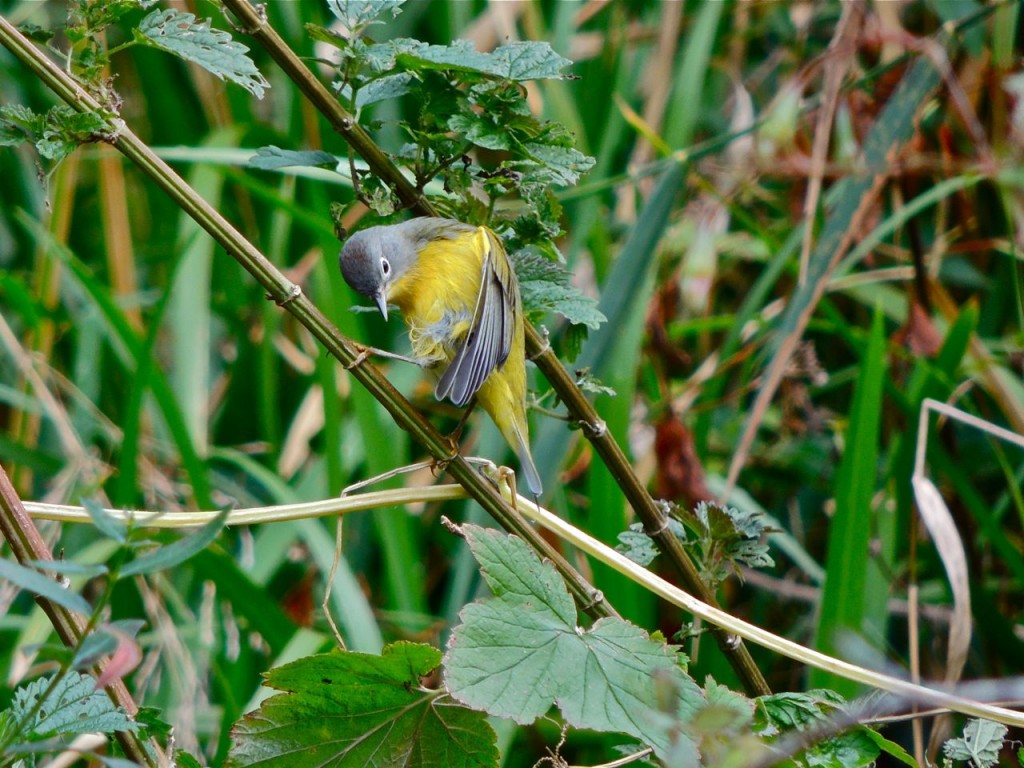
(526,465)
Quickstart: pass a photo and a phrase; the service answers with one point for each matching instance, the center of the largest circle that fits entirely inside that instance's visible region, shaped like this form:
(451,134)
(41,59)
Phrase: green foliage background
(141,367)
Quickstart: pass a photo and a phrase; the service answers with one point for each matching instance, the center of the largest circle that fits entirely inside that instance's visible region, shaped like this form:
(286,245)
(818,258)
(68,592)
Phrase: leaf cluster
(472,129)
(50,710)
(811,713)
(720,538)
(55,134)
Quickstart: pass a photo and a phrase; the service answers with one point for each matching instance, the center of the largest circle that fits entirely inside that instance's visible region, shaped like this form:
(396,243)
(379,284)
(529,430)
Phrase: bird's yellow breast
(438,294)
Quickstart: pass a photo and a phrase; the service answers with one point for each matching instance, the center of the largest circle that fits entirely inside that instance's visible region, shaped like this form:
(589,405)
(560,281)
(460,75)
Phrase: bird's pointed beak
(382,303)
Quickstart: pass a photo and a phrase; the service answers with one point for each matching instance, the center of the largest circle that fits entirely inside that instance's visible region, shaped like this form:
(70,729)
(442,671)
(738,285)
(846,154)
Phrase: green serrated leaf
(18,123)
(569,302)
(212,49)
(151,720)
(482,130)
(980,743)
(383,57)
(81,126)
(177,552)
(356,14)
(521,652)
(383,89)
(515,575)
(461,55)
(788,711)
(36,582)
(853,749)
(62,129)
(637,545)
(544,286)
(74,706)
(9,733)
(737,534)
(185,760)
(590,383)
(379,196)
(36,33)
(54,147)
(271,158)
(559,165)
(518,61)
(355,709)
(528,60)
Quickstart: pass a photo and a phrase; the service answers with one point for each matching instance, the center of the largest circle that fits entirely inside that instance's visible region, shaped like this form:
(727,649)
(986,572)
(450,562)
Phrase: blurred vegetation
(787,254)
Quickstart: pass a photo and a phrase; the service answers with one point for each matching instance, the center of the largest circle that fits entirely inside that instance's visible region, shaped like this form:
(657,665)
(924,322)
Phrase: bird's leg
(507,475)
(437,466)
(367,352)
(453,437)
(456,433)
(504,479)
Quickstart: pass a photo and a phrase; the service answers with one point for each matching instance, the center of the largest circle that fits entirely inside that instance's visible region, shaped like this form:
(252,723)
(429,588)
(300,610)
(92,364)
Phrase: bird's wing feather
(489,340)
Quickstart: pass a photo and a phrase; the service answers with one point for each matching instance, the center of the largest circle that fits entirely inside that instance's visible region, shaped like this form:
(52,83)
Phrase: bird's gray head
(373,259)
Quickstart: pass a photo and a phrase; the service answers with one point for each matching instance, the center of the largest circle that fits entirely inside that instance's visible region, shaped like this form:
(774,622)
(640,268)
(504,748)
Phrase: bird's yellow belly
(437,298)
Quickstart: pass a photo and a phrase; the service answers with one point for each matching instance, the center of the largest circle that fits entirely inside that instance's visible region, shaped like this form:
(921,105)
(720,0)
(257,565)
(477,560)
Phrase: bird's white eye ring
(385,267)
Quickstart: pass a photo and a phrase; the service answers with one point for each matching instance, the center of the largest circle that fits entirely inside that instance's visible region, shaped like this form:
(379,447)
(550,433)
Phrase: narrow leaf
(106,524)
(844,602)
(271,158)
(176,553)
(36,582)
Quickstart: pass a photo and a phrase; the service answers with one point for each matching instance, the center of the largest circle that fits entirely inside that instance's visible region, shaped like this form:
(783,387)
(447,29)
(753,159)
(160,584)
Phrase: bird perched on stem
(459,296)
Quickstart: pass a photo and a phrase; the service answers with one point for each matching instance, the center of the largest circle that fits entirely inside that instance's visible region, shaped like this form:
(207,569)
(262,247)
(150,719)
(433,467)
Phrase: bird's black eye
(385,267)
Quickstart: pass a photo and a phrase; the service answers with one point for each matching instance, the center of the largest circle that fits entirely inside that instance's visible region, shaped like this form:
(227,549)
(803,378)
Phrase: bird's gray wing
(489,340)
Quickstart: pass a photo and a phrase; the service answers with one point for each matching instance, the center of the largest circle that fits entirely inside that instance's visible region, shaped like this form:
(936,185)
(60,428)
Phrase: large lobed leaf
(361,710)
(521,652)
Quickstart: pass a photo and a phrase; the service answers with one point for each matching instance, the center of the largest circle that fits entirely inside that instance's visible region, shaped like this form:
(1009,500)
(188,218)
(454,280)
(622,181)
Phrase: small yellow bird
(459,296)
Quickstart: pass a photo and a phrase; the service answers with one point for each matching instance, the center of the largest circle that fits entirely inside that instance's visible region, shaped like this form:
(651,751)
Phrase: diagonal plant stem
(28,545)
(289,296)
(654,520)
